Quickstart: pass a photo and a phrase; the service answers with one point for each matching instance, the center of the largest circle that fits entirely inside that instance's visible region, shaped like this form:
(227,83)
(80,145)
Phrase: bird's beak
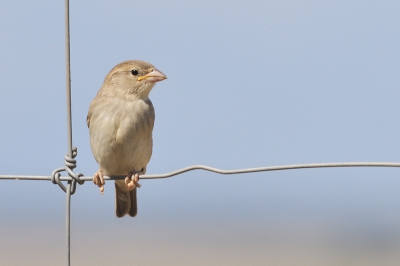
(153,76)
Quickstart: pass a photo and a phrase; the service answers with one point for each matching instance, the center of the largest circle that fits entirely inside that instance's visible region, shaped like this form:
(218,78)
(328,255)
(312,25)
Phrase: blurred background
(250,84)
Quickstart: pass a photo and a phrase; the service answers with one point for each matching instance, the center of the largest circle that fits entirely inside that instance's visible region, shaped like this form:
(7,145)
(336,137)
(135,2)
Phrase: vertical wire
(68,223)
(68,78)
(69,126)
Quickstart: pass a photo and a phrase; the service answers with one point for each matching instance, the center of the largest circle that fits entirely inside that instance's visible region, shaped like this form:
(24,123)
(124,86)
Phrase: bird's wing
(90,112)
(88,118)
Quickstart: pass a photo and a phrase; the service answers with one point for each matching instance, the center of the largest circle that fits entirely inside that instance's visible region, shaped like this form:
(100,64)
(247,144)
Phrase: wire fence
(70,163)
(216,170)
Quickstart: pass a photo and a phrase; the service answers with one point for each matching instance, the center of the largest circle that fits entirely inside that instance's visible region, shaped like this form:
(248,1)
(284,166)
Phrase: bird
(120,121)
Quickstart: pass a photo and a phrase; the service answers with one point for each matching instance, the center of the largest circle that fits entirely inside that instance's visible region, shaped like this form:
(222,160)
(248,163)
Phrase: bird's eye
(134,72)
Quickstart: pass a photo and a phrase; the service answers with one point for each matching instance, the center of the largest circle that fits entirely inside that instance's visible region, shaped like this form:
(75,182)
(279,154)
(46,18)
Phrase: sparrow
(120,121)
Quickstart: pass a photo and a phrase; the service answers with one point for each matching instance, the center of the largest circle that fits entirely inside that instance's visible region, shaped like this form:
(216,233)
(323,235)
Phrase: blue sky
(249,84)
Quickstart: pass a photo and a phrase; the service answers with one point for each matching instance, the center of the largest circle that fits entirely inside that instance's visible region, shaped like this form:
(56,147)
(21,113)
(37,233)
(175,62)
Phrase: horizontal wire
(216,170)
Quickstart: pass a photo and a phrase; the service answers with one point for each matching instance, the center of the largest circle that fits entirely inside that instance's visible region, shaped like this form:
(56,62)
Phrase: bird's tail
(125,201)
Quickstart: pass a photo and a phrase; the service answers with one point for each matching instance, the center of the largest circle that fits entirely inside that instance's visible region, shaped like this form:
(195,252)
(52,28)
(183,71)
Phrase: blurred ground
(200,244)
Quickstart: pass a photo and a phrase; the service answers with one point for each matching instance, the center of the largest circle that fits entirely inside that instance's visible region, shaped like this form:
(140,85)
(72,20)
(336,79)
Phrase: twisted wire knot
(70,164)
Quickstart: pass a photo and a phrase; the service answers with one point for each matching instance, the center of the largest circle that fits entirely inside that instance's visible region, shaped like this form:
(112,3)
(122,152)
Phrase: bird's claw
(132,180)
(98,180)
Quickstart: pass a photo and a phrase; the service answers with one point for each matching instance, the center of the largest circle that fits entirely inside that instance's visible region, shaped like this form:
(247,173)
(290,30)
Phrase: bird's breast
(121,138)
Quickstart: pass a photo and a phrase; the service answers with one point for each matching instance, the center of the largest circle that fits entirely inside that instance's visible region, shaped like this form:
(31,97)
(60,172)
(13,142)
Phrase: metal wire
(70,162)
(219,171)
(68,78)
(68,222)
(70,155)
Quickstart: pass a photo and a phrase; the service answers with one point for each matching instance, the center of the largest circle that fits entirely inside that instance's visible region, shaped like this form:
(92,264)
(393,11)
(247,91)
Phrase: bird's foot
(98,180)
(132,180)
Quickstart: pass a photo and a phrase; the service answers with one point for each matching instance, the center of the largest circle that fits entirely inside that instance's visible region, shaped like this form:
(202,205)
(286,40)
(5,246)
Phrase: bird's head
(132,77)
